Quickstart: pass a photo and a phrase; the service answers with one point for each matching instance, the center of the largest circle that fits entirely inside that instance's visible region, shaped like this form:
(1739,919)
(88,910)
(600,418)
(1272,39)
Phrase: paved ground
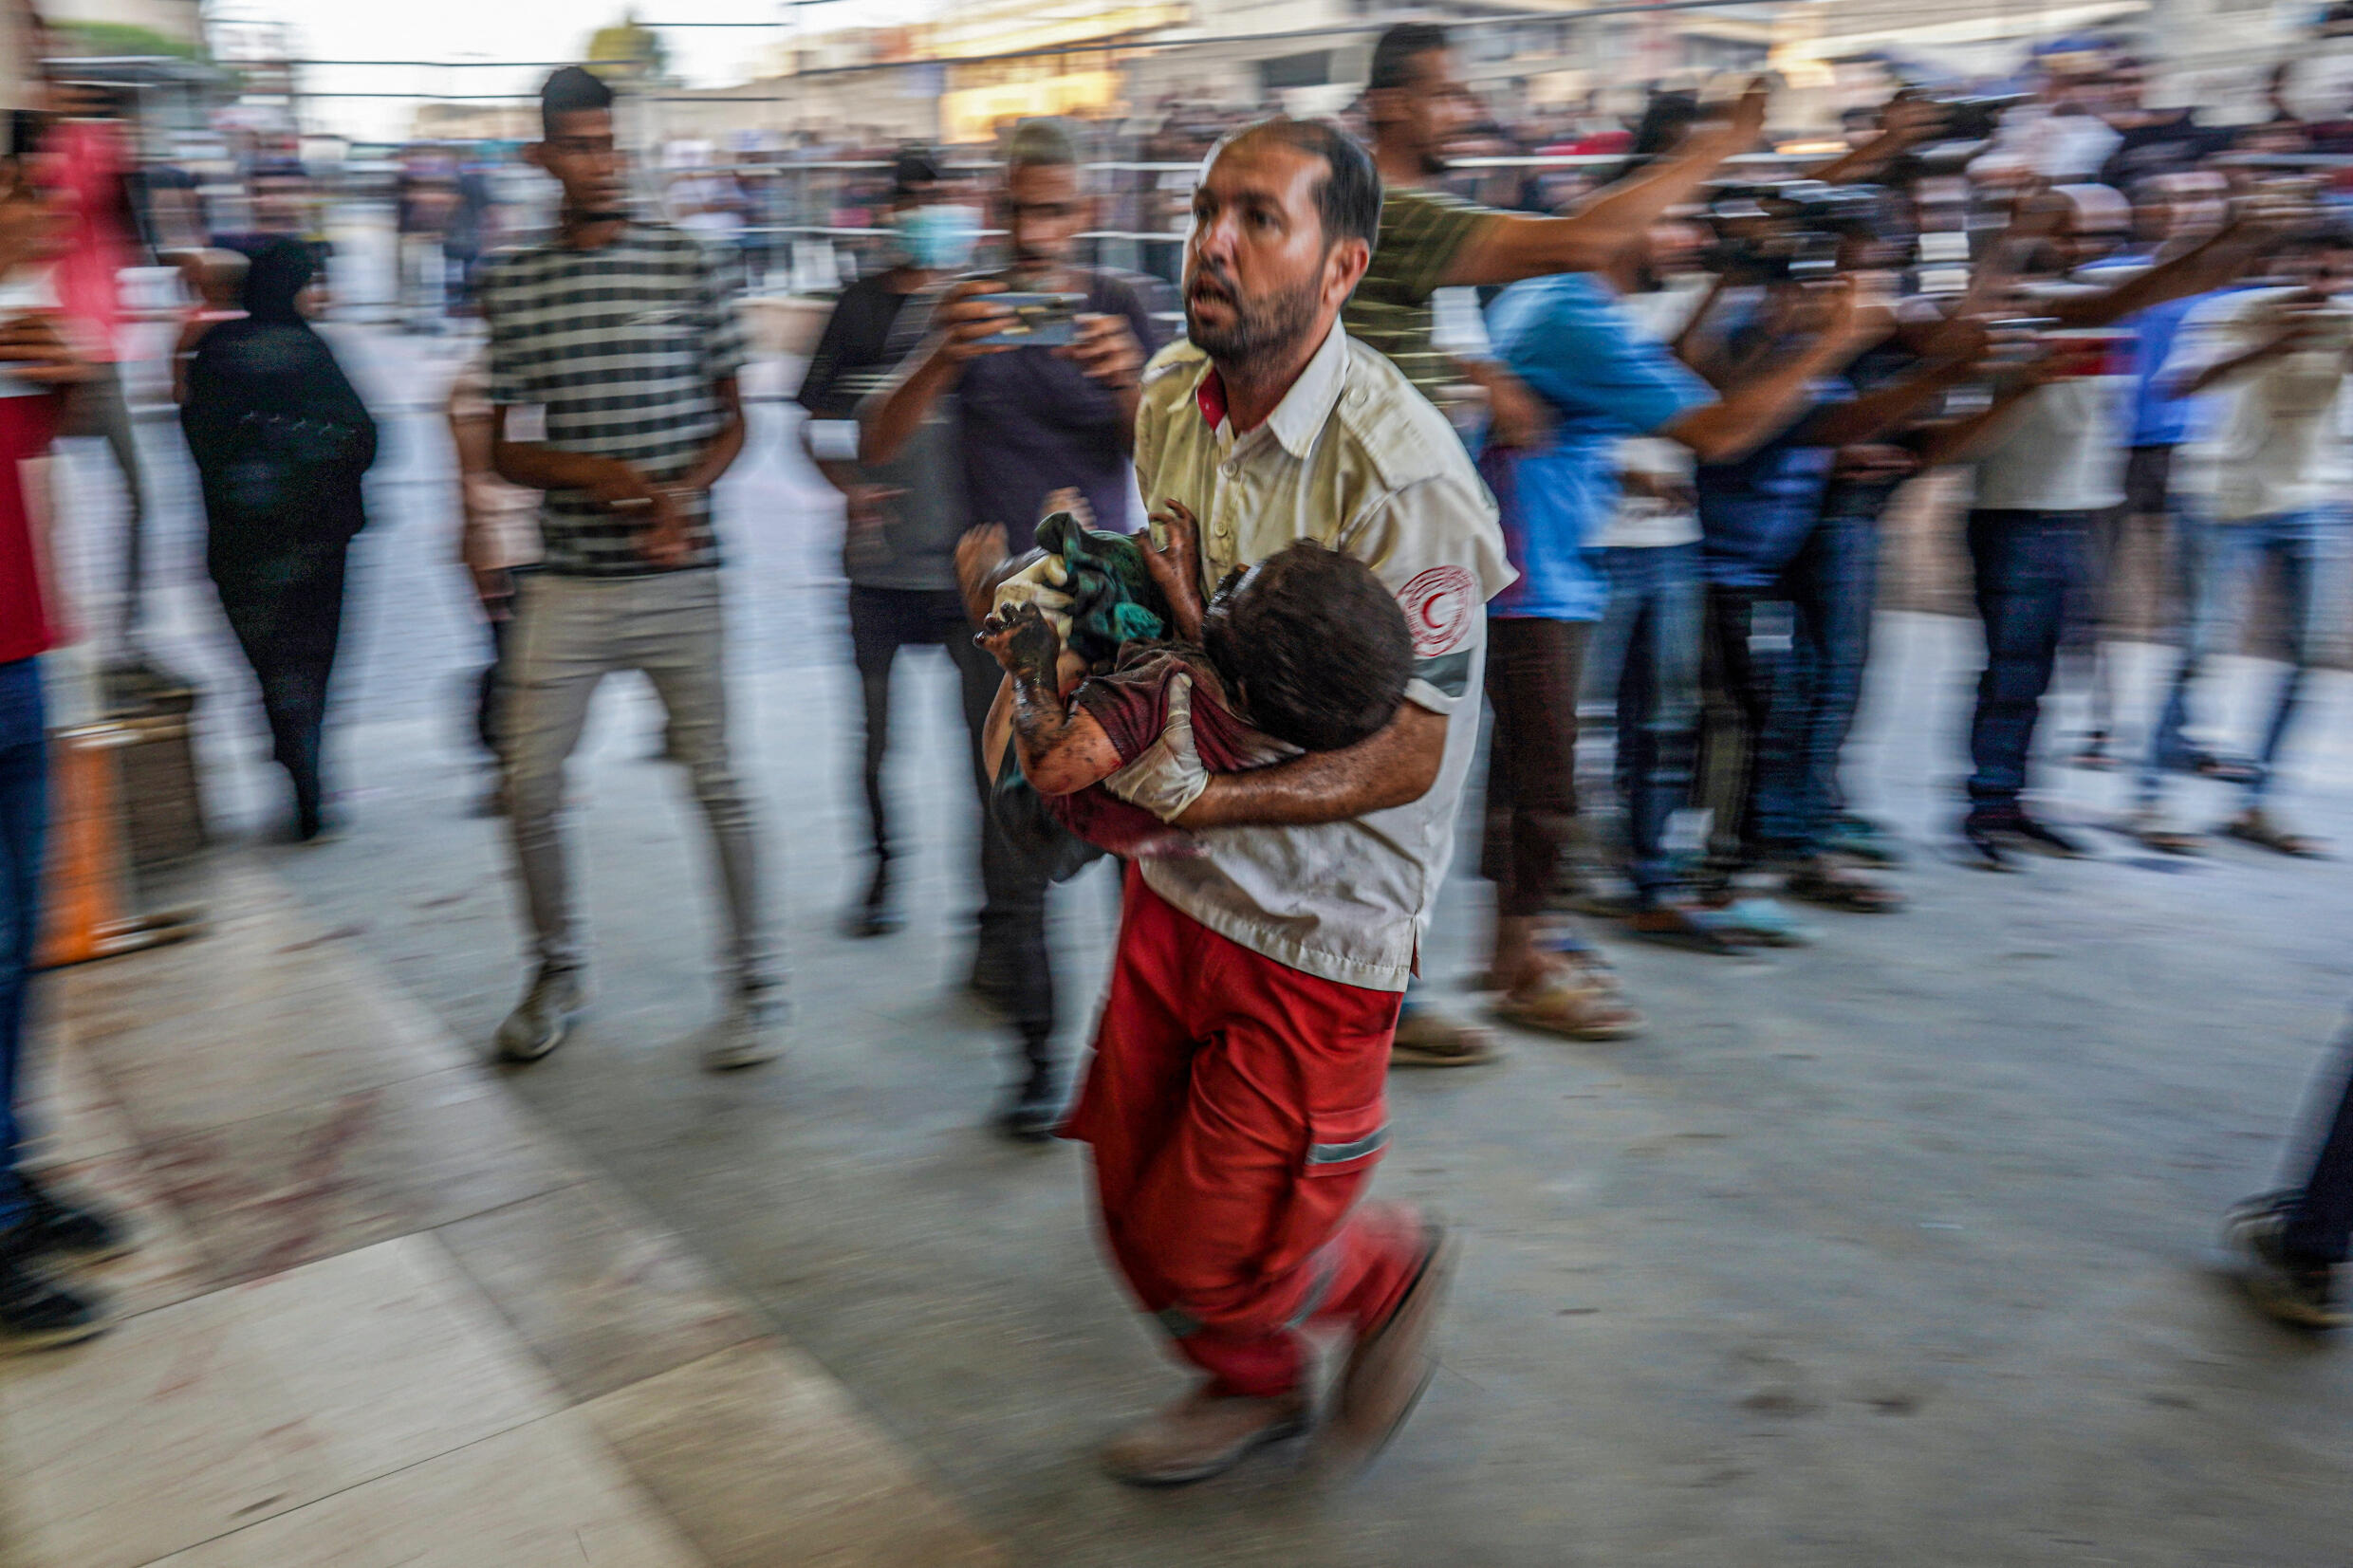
(379,1316)
(1890,1250)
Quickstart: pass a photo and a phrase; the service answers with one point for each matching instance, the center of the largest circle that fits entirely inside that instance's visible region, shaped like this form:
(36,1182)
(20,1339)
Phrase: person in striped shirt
(613,355)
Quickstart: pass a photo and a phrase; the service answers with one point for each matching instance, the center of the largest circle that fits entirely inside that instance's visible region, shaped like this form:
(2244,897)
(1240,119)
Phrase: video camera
(1789,232)
(1974,116)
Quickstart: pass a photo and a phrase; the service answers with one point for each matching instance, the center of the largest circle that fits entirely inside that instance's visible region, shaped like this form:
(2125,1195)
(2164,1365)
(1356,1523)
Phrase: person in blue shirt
(1572,342)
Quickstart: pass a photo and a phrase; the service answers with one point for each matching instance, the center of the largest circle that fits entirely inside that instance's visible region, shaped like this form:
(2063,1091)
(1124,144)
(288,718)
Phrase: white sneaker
(544,1016)
(751,1033)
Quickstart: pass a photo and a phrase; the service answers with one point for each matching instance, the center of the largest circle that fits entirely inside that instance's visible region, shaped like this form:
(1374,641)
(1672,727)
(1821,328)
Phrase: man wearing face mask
(1027,422)
(901,518)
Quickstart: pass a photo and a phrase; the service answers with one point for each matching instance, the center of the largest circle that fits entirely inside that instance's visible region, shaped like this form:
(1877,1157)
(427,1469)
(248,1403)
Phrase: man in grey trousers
(613,363)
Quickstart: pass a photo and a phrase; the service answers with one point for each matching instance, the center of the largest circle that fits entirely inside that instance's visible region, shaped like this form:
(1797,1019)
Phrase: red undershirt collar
(1210,396)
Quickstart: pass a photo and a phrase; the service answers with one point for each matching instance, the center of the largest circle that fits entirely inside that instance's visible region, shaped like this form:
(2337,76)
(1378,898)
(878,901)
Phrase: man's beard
(1260,328)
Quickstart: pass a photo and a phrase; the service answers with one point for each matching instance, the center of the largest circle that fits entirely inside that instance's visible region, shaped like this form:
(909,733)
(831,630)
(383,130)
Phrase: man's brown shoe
(1201,1435)
(1389,1368)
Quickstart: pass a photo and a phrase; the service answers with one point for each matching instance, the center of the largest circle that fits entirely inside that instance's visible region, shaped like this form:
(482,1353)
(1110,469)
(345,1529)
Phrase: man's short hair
(1394,56)
(1043,143)
(571,90)
(1347,198)
(1317,646)
(914,165)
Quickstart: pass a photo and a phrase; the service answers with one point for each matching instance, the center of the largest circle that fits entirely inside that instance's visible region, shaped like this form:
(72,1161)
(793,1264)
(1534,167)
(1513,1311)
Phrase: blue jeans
(24,815)
(1831,586)
(2220,560)
(1645,649)
(2026,565)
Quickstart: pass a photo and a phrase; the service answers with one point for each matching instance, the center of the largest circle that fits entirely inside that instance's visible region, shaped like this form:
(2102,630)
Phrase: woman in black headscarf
(280,440)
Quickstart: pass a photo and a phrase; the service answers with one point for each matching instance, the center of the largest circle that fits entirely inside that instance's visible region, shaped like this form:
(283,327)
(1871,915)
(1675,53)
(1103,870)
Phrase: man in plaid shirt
(613,363)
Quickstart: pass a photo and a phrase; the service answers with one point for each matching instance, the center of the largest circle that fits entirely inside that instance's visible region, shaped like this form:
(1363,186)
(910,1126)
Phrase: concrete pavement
(1887,1250)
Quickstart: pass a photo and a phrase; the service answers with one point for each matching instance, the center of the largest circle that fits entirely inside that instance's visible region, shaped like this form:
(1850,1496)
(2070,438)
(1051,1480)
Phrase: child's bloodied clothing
(1154,689)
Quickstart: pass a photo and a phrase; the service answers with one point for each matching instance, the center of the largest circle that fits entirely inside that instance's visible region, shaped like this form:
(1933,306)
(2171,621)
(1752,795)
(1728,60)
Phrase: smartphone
(1040,321)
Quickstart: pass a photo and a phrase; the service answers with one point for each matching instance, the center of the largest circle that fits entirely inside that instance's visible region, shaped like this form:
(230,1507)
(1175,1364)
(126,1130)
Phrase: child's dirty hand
(1025,643)
(1173,556)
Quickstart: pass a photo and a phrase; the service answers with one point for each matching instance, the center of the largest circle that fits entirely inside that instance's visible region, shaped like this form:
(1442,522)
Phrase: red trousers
(1235,1109)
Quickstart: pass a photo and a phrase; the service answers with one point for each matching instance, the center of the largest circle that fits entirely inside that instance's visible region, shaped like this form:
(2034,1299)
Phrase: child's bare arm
(1062,749)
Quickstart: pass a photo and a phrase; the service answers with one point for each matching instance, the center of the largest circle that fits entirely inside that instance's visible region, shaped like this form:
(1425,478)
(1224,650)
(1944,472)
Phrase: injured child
(1303,652)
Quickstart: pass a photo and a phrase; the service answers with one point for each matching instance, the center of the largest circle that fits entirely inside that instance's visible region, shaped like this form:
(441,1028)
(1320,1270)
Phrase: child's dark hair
(1314,646)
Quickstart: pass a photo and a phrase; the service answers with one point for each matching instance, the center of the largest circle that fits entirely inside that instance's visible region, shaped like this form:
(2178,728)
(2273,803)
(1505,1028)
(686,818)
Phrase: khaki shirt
(1354,458)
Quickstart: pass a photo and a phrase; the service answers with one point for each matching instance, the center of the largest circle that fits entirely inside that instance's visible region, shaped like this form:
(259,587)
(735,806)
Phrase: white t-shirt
(2063,447)
(1648,522)
(2273,440)
(1355,459)
(2060,148)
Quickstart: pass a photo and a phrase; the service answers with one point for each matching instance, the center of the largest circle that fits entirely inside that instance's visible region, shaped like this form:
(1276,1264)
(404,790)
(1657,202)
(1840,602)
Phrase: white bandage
(1169,776)
(1039,583)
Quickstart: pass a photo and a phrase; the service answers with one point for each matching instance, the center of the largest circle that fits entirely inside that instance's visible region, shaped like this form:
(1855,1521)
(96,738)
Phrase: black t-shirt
(1033,423)
(853,355)
(2160,147)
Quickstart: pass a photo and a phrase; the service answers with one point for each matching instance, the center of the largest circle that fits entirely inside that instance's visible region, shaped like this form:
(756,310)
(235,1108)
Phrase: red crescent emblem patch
(1438,605)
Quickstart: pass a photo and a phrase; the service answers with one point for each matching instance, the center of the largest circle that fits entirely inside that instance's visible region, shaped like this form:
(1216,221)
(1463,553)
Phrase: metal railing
(1122,246)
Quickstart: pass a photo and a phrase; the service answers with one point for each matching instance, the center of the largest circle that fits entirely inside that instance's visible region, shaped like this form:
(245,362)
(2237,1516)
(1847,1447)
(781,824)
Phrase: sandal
(1682,925)
(2149,829)
(2253,826)
(1871,847)
(1567,1004)
(2095,756)
(1428,1037)
(2231,771)
(1567,944)
(1761,922)
(1832,886)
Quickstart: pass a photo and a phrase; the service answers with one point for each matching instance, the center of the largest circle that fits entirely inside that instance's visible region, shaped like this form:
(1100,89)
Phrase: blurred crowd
(1231,479)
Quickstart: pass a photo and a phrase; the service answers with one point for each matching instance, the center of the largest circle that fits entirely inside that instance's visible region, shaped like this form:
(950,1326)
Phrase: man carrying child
(1234,1103)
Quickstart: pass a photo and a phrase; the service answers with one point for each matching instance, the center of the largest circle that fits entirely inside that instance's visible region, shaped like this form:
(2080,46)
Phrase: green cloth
(1421,232)
(1112,599)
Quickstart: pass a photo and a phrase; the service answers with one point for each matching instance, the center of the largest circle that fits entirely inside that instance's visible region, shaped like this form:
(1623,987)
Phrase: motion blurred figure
(497,537)
(2290,1243)
(1418,107)
(901,520)
(617,339)
(280,441)
(1028,423)
(2049,459)
(85,163)
(2263,483)
(37,1229)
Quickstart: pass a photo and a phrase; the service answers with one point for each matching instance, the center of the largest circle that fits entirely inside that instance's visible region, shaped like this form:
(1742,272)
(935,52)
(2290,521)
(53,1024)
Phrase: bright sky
(522,29)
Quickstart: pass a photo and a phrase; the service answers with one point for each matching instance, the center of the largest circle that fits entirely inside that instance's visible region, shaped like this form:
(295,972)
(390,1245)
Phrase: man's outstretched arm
(1511,248)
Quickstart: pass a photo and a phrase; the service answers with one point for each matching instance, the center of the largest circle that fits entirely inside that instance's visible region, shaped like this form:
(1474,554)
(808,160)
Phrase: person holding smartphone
(1027,422)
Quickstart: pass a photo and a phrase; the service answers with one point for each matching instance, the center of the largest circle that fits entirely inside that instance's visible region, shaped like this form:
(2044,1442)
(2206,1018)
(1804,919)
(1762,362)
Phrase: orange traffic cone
(86,901)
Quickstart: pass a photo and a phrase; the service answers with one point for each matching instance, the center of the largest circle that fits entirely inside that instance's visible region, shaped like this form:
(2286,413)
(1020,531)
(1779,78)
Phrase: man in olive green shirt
(1432,240)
